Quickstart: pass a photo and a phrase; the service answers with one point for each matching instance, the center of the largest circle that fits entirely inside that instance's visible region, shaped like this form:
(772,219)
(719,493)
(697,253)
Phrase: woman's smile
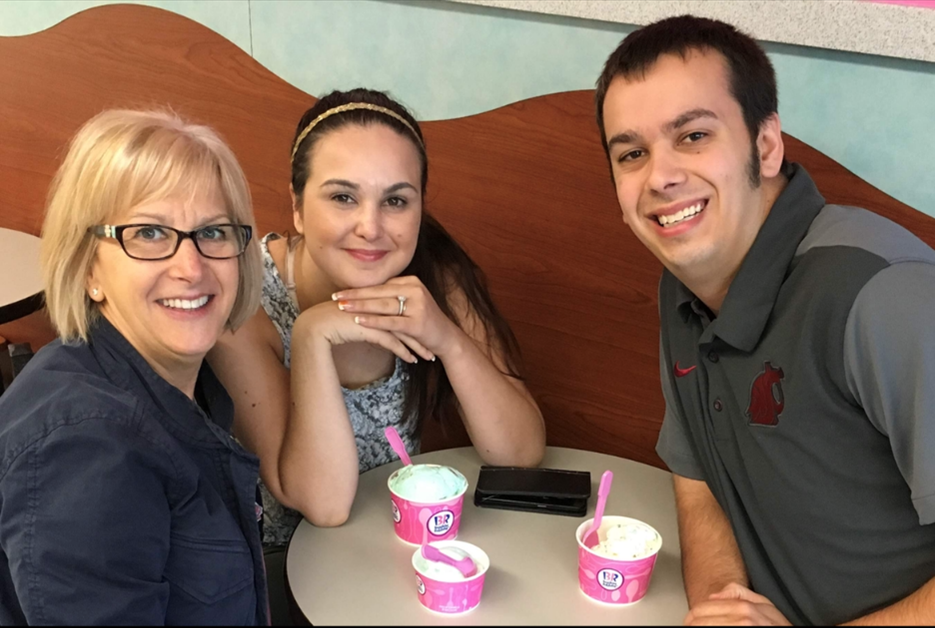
(367,255)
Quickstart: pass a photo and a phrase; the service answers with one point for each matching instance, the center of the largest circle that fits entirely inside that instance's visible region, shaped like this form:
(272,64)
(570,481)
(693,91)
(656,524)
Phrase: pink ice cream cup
(455,594)
(616,580)
(419,520)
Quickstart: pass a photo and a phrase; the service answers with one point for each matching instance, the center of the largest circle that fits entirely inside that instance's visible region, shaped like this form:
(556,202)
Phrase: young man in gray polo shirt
(797,349)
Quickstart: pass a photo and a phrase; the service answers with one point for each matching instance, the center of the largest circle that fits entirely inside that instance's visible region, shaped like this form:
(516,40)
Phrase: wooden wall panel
(135,56)
(525,188)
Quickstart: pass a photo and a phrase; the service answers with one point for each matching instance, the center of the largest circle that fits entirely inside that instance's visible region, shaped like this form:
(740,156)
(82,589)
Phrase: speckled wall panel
(895,29)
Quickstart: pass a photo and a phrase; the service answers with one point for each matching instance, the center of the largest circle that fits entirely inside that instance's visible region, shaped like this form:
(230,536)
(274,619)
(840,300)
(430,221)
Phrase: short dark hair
(751,76)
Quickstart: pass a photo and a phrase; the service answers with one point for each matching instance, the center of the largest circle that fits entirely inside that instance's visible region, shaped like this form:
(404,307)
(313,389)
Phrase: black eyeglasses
(156,242)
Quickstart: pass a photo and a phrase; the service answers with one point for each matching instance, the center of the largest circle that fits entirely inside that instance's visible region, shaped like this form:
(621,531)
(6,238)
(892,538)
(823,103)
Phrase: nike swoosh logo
(683,372)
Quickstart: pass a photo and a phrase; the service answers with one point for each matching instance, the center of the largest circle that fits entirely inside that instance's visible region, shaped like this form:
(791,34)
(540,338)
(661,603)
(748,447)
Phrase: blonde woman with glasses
(124,499)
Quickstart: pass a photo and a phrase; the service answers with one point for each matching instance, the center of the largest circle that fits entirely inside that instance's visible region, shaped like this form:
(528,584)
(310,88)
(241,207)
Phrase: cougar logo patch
(766,399)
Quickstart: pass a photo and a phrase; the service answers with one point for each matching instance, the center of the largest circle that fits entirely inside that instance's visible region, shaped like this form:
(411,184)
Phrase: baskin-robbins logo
(396,515)
(440,522)
(610,579)
(421,585)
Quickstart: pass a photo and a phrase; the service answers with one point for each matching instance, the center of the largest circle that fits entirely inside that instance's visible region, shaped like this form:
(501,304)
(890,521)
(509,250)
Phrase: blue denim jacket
(121,500)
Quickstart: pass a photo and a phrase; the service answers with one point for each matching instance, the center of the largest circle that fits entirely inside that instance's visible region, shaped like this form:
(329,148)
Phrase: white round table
(361,573)
(20,284)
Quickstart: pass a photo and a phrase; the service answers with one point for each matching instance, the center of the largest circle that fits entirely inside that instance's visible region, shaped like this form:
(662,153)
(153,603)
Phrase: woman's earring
(94,292)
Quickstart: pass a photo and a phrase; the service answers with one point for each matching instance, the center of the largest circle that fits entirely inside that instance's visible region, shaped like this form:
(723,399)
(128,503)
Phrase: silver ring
(402,305)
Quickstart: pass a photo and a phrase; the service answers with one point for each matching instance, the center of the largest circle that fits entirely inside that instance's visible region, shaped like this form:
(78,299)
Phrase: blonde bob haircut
(121,159)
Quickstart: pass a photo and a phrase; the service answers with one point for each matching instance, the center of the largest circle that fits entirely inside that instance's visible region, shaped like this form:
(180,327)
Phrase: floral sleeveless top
(371,408)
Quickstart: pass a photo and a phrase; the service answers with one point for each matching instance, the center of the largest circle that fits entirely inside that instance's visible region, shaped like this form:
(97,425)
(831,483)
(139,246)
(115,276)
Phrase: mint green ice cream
(427,483)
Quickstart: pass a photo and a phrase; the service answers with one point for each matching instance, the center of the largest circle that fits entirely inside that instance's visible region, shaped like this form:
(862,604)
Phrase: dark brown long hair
(438,260)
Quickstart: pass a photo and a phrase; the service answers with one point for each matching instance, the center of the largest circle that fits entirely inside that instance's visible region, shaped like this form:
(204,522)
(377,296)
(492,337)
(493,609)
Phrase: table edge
(22,308)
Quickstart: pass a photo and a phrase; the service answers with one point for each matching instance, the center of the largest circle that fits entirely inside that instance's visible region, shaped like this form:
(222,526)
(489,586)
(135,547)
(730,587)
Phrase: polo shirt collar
(753,292)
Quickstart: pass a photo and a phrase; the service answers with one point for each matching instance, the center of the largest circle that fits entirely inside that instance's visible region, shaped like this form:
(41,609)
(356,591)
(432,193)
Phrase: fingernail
(342,305)
(334,297)
(357,320)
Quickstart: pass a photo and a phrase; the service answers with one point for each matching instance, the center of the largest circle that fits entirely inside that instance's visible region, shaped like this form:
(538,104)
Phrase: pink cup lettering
(614,580)
(424,521)
(457,595)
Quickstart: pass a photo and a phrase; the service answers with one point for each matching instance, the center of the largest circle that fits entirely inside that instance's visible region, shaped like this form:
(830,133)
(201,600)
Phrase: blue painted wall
(873,114)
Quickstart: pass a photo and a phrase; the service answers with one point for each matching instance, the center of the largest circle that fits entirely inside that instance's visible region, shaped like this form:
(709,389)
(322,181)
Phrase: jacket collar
(124,366)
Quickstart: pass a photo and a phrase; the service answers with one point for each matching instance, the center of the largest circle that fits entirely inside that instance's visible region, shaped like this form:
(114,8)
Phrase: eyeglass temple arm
(106,231)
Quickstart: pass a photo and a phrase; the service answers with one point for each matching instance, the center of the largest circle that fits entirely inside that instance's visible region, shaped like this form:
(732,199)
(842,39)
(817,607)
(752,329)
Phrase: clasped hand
(372,315)
(735,605)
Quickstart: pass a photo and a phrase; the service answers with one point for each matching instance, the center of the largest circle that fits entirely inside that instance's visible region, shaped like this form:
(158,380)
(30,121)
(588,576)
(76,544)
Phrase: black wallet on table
(555,491)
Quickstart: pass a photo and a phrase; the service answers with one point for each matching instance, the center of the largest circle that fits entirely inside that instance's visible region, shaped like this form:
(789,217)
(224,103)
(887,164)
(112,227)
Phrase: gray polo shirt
(806,406)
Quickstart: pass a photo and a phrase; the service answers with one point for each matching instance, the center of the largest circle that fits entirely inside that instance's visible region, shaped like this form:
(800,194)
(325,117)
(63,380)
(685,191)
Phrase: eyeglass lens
(153,241)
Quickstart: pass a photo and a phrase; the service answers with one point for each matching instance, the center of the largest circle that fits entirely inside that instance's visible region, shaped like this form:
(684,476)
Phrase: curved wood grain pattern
(525,188)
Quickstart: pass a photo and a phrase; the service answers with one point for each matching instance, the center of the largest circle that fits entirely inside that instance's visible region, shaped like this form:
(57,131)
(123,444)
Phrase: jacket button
(718,406)
(713,356)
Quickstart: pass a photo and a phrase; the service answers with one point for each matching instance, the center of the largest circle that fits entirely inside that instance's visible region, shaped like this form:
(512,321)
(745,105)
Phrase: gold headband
(351,106)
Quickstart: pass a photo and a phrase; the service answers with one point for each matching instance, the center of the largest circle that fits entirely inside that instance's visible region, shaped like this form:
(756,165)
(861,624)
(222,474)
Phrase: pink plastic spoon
(465,565)
(397,444)
(591,539)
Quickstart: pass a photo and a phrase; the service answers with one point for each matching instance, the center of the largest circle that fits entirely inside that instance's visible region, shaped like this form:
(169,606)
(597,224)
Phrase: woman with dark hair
(372,316)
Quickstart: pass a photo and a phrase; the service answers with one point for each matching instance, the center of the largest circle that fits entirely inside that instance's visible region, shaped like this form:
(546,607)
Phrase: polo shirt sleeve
(673,445)
(85,525)
(889,364)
